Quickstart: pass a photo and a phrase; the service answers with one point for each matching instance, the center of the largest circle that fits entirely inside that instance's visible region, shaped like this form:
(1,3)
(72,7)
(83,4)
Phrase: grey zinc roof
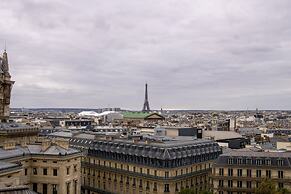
(253,156)
(12,153)
(16,190)
(7,165)
(64,134)
(35,150)
(258,154)
(164,150)
(7,127)
(52,150)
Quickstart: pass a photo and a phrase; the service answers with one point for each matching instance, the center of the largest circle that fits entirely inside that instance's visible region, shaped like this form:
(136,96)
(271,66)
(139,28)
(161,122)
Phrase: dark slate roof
(52,150)
(4,154)
(79,142)
(158,150)
(253,156)
(35,149)
(4,166)
(16,190)
(6,128)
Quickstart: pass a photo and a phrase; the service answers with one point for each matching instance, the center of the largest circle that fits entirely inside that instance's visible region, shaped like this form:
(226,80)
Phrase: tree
(192,191)
(269,187)
(266,187)
(187,191)
(284,191)
(205,192)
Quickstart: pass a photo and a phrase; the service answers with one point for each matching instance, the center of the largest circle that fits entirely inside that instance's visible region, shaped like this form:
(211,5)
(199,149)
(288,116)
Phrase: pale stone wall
(284,145)
(286,180)
(117,177)
(10,179)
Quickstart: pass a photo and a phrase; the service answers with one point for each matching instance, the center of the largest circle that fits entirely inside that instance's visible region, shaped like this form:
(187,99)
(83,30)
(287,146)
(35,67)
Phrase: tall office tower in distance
(5,88)
(146,106)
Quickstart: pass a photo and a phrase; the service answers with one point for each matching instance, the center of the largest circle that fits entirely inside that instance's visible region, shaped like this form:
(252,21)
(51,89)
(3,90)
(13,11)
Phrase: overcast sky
(222,54)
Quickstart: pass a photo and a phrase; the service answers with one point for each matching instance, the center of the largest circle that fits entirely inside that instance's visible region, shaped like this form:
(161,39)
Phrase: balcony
(147,176)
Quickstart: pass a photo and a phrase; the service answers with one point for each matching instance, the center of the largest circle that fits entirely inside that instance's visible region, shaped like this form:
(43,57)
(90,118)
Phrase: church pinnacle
(5,87)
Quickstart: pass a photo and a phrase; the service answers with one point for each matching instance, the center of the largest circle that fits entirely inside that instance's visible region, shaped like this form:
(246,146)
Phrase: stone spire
(4,64)
(5,88)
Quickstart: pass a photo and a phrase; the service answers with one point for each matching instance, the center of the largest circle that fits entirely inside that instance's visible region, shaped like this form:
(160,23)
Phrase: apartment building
(241,172)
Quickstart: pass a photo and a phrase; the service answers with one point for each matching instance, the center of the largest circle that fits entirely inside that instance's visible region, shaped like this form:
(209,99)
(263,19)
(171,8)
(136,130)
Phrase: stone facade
(241,172)
(129,167)
(5,87)
(46,167)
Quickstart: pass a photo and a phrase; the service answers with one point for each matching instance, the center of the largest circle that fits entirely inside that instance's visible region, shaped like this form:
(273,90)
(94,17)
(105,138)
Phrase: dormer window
(268,162)
(259,162)
(230,161)
(280,162)
(239,161)
(249,161)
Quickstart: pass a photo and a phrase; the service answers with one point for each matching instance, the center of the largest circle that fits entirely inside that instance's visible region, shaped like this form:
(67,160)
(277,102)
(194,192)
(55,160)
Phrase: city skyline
(193,54)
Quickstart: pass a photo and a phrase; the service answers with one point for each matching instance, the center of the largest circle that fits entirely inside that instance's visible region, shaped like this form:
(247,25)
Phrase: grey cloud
(200,54)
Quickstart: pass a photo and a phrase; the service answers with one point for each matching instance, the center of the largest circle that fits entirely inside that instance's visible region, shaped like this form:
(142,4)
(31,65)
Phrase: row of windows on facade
(45,171)
(258,161)
(203,181)
(249,173)
(231,192)
(142,170)
(55,162)
(151,161)
(239,184)
(195,180)
(55,188)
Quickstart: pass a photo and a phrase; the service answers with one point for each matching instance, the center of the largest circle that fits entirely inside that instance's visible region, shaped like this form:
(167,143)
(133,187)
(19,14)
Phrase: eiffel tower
(146,106)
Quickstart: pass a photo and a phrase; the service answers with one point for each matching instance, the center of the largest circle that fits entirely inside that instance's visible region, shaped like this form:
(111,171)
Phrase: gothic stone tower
(5,88)
(146,106)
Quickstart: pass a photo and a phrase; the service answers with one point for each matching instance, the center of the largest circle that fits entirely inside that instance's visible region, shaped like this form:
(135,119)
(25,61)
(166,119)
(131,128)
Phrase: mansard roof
(11,128)
(159,150)
(269,159)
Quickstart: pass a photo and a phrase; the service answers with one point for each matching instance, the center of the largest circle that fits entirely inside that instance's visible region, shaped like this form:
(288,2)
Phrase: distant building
(249,132)
(75,123)
(182,131)
(101,118)
(18,133)
(228,139)
(243,171)
(142,116)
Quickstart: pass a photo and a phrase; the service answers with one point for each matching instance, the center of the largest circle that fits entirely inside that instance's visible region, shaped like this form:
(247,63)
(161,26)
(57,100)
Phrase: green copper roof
(139,115)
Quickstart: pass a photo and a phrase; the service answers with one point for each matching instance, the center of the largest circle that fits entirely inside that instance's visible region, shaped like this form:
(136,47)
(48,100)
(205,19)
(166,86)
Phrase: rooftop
(237,153)
(162,141)
(253,158)
(139,115)
(220,135)
(7,165)
(15,127)
(16,190)
(165,150)
(36,149)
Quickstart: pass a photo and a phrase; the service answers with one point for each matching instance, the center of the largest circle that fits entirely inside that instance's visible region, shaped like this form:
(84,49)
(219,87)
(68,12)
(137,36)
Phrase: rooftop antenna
(5,45)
